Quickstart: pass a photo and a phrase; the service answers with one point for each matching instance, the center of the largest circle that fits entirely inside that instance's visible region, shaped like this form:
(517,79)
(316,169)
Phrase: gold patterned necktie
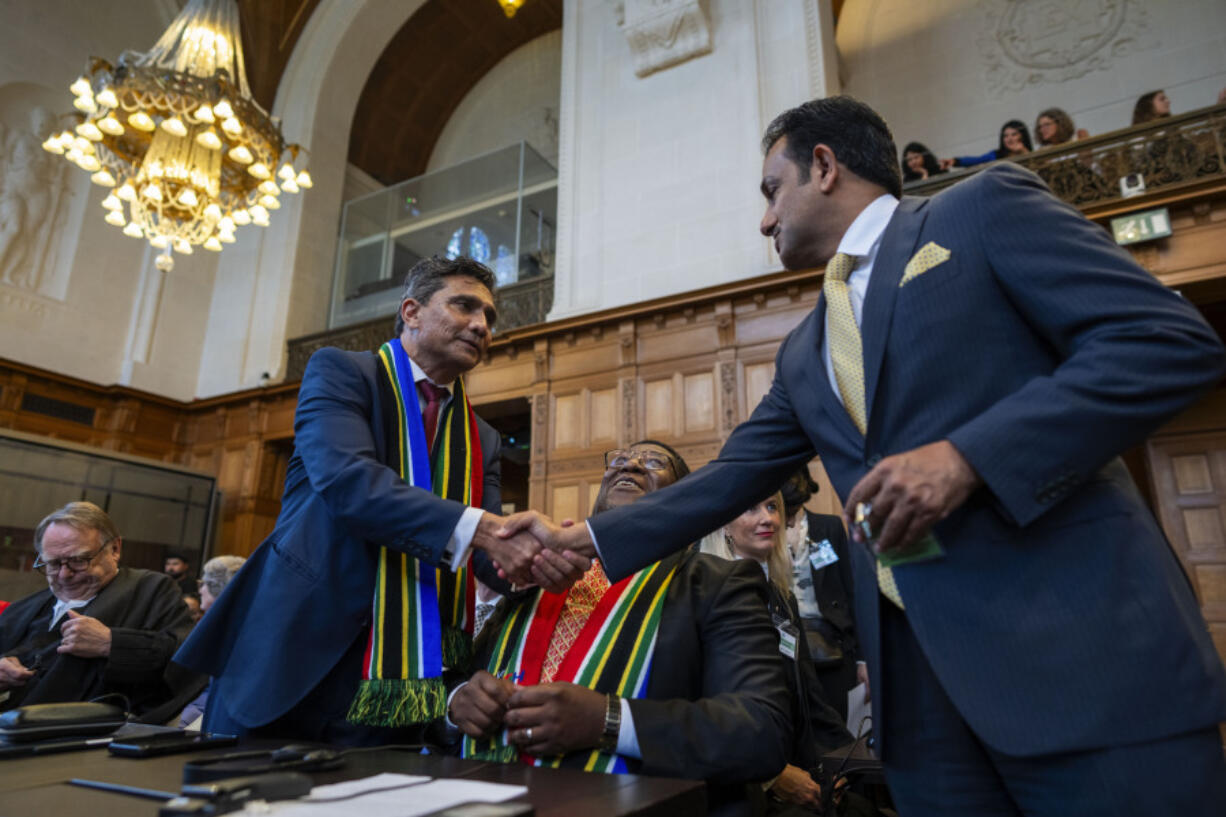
(577,609)
(847,358)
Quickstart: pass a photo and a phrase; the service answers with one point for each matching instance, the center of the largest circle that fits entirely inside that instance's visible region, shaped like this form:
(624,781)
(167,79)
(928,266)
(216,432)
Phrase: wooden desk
(37,787)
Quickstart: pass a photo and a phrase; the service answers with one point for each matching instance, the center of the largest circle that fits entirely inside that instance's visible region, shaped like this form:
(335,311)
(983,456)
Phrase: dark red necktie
(435,395)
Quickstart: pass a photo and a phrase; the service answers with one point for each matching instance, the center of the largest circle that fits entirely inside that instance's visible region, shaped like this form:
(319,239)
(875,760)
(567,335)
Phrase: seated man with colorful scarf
(673,671)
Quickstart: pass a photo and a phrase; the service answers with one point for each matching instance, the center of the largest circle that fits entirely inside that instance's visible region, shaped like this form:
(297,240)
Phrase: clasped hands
(530,548)
(543,720)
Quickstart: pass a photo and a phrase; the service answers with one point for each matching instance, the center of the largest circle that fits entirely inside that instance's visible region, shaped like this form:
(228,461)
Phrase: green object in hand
(924,550)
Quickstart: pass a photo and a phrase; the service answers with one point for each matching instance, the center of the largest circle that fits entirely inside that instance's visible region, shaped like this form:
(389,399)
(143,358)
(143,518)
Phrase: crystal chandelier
(178,137)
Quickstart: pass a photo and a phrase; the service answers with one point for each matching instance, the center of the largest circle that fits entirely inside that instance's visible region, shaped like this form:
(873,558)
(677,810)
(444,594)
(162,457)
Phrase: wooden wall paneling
(505,374)
(565,501)
(1189,475)
(658,414)
(569,419)
(758,377)
(602,424)
(699,404)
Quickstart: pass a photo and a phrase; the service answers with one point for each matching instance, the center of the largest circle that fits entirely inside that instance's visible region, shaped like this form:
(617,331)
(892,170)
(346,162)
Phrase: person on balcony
(1014,142)
(1055,127)
(918,163)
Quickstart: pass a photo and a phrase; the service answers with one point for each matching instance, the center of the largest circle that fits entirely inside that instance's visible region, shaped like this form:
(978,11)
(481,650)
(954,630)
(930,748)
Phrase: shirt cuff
(592,535)
(447,711)
(455,554)
(627,740)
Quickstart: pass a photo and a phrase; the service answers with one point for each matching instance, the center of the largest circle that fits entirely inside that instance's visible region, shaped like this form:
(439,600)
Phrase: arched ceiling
(430,64)
(424,73)
(269,29)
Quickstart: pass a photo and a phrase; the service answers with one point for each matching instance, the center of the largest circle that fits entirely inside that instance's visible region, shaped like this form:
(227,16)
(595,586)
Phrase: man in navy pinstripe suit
(1053,661)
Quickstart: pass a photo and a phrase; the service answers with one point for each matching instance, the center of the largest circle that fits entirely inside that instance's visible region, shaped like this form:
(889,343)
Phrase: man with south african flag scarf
(673,671)
(341,625)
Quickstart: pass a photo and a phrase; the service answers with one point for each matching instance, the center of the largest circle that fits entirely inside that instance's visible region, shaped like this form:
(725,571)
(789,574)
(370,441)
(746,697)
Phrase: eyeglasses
(74,563)
(651,460)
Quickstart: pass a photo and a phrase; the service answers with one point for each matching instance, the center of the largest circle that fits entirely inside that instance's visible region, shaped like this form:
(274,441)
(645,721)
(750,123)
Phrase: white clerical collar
(419,375)
(62,607)
(864,234)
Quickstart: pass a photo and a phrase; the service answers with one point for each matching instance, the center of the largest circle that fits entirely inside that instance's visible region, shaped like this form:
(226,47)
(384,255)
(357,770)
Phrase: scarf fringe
(398,701)
(457,647)
(496,752)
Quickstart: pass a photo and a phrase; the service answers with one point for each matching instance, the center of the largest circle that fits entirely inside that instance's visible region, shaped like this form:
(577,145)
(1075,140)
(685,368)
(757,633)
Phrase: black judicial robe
(148,621)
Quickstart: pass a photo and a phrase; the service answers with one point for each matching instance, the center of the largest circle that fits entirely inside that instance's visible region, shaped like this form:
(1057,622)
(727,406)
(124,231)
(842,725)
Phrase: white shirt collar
(864,234)
(62,607)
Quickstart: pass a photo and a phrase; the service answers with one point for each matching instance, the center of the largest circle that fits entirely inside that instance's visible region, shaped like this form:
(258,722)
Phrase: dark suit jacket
(1059,618)
(304,596)
(717,705)
(818,727)
(832,584)
(148,621)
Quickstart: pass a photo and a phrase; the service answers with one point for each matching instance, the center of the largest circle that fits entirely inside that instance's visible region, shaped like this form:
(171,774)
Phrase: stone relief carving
(663,33)
(1051,41)
(32,192)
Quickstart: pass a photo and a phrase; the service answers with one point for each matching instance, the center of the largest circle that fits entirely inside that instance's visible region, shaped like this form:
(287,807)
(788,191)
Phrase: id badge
(822,554)
(788,633)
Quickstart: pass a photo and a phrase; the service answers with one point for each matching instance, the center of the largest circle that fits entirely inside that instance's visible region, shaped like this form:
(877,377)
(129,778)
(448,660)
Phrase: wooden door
(1189,474)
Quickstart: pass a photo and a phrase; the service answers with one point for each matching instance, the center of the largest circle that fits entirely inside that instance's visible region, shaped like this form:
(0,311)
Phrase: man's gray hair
(218,571)
(79,516)
(427,277)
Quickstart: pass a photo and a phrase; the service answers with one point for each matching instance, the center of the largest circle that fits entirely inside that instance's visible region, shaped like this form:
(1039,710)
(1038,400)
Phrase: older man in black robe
(99,629)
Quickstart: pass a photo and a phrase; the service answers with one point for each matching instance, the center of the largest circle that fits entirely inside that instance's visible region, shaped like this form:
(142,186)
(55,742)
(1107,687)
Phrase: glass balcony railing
(499,208)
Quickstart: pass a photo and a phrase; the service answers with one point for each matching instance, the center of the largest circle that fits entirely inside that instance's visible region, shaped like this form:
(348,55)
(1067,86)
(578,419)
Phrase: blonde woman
(758,534)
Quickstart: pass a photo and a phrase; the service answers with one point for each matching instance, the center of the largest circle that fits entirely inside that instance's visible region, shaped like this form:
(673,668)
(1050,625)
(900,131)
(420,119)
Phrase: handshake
(530,548)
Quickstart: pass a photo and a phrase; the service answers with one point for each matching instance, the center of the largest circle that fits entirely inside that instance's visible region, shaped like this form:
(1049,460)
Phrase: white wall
(949,73)
(517,100)
(82,298)
(659,175)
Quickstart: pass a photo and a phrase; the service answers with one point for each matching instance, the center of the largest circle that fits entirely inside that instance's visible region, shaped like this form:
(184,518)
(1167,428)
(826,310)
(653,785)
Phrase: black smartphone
(169,743)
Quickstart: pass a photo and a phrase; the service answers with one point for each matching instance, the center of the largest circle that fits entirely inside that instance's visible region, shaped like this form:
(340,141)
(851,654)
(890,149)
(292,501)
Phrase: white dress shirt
(455,554)
(62,607)
(862,239)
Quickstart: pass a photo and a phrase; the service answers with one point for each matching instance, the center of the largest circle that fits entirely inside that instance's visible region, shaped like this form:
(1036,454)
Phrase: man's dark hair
(797,491)
(426,278)
(859,137)
(679,464)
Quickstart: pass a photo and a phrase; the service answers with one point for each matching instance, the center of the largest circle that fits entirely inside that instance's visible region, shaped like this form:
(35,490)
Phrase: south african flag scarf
(421,616)
(612,654)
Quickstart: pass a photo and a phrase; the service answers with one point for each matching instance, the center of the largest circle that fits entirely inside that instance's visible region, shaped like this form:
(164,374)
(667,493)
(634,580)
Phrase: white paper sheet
(857,710)
(414,795)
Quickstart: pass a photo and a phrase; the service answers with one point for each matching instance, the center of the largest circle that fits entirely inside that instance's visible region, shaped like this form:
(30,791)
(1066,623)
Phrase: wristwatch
(612,725)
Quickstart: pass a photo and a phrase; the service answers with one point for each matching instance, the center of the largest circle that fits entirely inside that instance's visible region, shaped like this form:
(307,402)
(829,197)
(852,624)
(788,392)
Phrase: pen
(119,788)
